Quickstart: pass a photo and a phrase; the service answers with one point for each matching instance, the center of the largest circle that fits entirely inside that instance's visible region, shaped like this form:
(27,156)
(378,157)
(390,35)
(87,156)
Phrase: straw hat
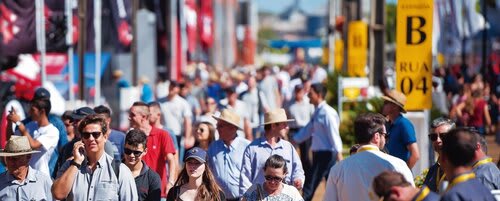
(230,117)
(397,98)
(276,116)
(17,146)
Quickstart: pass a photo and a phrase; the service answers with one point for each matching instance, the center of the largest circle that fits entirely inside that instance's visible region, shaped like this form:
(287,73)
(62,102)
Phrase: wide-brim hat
(397,98)
(276,116)
(17,146)
(230,117)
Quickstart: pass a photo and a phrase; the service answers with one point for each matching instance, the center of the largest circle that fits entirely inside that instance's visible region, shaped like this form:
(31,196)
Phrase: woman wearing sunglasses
(195,182)
(273,188)
(204,134)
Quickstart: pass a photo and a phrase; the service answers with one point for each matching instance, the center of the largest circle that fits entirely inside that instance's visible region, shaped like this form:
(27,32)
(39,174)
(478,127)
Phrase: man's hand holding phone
(78,152)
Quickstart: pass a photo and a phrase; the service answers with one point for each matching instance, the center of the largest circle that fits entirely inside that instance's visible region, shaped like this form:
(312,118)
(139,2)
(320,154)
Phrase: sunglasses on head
(273,178)
(86,135)
(130,151)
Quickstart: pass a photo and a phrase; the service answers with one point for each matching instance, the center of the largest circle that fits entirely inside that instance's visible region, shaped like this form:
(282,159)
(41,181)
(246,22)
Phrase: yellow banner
(339,54)
(357,43)
(414,52)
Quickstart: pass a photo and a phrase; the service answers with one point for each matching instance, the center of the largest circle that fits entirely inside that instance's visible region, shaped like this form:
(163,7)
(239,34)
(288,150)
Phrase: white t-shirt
(174,111)
(48,136)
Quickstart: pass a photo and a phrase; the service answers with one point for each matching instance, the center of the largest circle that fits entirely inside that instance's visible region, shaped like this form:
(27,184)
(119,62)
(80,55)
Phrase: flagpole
(97,41)
(40,38)
(69,42)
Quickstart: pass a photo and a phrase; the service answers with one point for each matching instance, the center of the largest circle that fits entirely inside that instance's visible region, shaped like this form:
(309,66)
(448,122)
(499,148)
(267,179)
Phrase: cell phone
(82,151)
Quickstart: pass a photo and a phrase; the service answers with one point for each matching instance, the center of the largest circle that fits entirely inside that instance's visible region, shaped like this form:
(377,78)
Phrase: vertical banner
(357,43)
(339,54)
(414,52)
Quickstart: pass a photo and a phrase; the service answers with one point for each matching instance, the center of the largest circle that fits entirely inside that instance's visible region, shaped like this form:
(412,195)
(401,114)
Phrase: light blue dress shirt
(324,128)
(36,186)
(225,163)
(256,155)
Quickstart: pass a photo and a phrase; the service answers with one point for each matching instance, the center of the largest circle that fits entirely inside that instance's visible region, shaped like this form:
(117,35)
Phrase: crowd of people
(243,135)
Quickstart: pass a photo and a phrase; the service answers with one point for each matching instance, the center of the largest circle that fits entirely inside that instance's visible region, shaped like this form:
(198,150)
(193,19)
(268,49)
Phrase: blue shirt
(225,163)
(433,177)
(117,138)
(254,159)
(431,196)
(36,186)
(324,126)
(469,190)
(489,175)
(401,134)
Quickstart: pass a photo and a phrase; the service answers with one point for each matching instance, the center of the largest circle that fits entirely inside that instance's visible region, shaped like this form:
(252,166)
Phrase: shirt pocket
(106,191)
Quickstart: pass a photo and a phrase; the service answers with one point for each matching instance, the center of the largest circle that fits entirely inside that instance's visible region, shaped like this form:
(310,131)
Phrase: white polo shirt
(48,136)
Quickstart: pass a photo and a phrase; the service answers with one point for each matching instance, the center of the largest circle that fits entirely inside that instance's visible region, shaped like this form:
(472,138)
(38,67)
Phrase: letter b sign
(416,32)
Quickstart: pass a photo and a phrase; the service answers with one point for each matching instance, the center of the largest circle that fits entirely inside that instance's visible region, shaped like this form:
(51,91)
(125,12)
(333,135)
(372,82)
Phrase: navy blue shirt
(148,184)
(117,138)
(401,134)
(431,196)
(433,177)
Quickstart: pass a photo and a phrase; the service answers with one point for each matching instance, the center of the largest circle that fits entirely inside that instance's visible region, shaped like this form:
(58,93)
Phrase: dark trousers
(322,162)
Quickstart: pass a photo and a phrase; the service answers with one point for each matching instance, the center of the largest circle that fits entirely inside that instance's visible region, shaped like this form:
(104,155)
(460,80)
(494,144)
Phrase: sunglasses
(273,178)
(386,135)
(434,136)
(130,151)
(96,135)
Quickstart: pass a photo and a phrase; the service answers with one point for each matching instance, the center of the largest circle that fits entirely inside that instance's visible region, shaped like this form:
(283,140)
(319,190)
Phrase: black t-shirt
(148,184)
(174,192)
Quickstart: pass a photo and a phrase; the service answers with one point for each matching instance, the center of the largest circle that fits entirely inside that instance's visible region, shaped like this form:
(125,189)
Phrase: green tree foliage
(390,23)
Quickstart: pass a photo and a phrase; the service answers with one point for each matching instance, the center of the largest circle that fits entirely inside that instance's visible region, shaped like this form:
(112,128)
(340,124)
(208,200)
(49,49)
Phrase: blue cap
(81,113)
(41,93)
(196,153)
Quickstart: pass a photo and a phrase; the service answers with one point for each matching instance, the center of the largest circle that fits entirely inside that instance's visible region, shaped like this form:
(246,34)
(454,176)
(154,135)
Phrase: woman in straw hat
(20,181)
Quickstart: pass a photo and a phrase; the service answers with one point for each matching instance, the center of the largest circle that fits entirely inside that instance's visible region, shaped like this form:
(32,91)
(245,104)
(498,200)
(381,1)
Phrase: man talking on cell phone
(107,182)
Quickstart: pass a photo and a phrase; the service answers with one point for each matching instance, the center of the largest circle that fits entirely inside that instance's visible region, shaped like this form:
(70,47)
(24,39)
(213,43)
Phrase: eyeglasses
(434,136)
(273,178)
(130,151)
(386,135)
(96,135)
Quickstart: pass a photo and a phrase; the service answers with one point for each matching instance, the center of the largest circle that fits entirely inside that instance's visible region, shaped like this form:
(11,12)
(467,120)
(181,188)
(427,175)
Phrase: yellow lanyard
(439,180)
(482,162)
(423,194)
(460,179)
(366,149)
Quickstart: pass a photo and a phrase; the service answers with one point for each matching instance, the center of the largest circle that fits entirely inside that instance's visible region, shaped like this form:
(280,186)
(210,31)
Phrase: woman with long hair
(204,133)
(195,182)
(273,187)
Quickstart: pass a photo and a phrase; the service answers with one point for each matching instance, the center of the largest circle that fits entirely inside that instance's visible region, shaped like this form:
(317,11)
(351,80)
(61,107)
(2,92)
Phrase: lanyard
(366,149)
(421,196)
(482,162)
(439,179)
(460,179)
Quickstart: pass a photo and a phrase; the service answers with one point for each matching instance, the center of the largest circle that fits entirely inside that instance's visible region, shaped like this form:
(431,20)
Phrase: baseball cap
(41,93)
(196,153)
(81,113)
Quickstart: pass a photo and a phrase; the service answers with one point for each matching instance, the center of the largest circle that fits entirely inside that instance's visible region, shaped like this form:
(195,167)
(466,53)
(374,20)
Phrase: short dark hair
(67,115)
(383,182)
(154,104)
(93,119)
(135,137)
(319,89)
(459,146)
(101,109)
(42,104)
(367,124)
(276,161)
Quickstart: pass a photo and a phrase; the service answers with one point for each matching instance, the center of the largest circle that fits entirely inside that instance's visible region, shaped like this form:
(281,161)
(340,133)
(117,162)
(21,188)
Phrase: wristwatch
(75,164)
(18,123)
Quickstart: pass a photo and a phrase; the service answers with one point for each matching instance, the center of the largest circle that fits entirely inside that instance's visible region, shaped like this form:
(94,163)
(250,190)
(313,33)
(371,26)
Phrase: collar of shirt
(144,169)
(320,105)
(101,161)
(368,147)
(263,141)
(29,178)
